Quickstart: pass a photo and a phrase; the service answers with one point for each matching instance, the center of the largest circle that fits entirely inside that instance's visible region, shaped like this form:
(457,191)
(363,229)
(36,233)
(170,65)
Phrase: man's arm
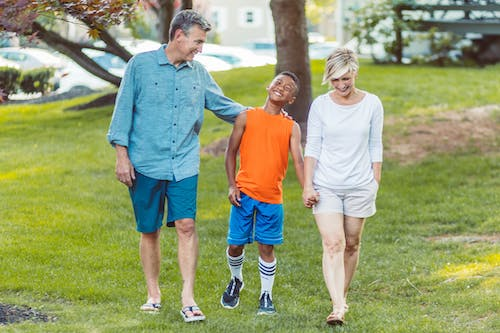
(230,157)
(296,150)
(124,169)
(222,106)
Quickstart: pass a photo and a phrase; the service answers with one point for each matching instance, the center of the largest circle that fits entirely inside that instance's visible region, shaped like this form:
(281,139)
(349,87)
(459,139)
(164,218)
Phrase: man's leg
(150,259)
(188,258)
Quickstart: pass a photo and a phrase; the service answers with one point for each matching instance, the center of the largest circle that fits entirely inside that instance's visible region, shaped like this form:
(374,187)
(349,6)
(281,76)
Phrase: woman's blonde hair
(340,62)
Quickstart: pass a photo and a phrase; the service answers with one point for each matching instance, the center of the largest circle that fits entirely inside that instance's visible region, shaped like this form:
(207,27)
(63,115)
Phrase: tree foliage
(382,22)
(316,9)
(33,18)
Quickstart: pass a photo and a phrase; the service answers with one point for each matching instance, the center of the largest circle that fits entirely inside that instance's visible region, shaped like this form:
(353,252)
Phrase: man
(154,129)
(263,136)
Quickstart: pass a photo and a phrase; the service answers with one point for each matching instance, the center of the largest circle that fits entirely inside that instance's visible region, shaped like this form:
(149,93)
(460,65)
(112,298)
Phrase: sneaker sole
(265,313)
(225,306)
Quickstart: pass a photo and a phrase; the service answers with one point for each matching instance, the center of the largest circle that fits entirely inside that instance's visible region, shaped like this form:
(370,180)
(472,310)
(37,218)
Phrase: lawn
(429,262)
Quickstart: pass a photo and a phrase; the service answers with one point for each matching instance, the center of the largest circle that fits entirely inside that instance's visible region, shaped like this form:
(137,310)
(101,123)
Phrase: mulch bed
(10,314)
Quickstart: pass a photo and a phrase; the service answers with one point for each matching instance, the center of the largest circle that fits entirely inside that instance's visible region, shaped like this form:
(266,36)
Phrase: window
(250,17)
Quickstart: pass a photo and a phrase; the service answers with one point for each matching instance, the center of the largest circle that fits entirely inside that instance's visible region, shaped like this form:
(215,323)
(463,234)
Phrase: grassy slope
(68,245)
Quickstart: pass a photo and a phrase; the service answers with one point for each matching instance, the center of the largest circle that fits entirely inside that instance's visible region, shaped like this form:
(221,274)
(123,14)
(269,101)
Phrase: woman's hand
(310,196)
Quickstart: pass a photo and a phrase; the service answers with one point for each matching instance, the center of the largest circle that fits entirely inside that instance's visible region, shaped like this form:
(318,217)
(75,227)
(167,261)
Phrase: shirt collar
(163,60)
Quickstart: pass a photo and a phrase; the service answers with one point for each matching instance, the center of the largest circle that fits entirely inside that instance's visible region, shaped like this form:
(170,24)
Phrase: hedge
(9,80)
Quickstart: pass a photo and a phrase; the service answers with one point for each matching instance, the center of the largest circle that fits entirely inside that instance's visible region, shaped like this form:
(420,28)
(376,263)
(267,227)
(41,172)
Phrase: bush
(37,80)
(9,80)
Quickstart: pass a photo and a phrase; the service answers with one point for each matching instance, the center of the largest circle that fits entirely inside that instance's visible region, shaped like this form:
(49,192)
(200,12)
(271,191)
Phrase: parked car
(237,56)
(116,65)
(212,64)
(262,47)
(78,77)
(8,63)
(31,58)
(322,50)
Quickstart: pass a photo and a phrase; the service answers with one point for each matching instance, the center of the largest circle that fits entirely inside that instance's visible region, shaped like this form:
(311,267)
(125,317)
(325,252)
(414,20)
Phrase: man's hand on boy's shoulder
(286,115)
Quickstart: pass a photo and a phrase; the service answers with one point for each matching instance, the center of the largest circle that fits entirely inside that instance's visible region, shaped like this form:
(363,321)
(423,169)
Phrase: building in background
(237,22)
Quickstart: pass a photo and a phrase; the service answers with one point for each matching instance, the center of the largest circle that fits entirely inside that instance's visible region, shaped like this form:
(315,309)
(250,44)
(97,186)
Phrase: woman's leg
(353,228)
(331,229)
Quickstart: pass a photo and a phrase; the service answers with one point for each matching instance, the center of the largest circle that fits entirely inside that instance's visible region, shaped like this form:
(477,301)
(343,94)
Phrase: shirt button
(175,124)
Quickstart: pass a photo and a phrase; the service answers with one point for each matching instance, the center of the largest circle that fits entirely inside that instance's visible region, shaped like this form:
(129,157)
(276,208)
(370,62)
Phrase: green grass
(68,245)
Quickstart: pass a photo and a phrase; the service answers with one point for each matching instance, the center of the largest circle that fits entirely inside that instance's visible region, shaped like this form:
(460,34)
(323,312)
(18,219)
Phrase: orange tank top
(264,155)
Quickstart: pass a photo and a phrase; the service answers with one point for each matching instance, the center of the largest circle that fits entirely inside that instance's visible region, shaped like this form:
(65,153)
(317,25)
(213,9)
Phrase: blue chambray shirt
(159,112)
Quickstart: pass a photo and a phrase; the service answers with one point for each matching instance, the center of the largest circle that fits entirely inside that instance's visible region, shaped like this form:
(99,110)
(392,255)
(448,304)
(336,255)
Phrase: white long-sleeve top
(345,140)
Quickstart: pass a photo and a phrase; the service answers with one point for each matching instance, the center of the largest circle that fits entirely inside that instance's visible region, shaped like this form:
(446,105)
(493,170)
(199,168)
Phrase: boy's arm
(296,150)
(230,157)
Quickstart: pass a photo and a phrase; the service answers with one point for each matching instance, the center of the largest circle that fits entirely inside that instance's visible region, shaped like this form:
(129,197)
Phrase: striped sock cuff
(267,268)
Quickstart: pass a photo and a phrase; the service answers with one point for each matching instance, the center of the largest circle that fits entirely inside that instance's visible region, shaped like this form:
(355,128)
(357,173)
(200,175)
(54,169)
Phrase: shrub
(37,80)
(9,80)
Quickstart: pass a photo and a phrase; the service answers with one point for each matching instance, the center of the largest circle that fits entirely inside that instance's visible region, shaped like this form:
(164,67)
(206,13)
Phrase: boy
(264,136)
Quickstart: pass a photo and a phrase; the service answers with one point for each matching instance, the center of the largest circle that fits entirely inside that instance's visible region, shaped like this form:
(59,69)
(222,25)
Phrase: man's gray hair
(185,20)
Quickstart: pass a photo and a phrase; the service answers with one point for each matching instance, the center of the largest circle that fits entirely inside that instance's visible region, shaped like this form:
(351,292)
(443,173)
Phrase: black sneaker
(266,306)
(231,297)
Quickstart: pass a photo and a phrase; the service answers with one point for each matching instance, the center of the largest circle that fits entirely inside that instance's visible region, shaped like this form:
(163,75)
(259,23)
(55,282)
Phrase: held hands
(234,196)
(310,197)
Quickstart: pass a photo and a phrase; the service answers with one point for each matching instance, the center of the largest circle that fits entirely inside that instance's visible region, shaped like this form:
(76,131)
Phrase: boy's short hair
(185,20)
(295,79)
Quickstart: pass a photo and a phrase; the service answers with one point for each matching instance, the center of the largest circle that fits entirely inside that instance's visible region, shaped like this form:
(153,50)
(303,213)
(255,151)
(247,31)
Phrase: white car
(237,56)
(31,58)
(212,64)
(8,63)
(116,65)
(322,50)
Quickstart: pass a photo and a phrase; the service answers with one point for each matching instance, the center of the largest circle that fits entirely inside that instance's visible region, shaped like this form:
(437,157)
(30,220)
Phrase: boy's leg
(235,257)
(267,268)
(240,233)
(268,233)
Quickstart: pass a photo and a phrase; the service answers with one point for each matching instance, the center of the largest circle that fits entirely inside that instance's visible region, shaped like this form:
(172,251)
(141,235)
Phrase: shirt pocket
(196,95)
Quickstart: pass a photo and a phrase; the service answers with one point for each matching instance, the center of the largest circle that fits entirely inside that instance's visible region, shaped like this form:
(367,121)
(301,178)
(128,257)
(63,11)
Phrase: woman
(342,171)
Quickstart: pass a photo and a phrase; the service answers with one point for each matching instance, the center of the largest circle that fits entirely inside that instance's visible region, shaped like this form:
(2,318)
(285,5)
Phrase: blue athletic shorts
(265,218)
(148,199)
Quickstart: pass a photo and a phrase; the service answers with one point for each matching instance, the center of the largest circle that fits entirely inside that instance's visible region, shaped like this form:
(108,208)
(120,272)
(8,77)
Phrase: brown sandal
(335,318)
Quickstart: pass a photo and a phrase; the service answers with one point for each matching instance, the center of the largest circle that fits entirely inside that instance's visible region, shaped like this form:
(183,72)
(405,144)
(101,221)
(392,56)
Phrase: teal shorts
(265,218)
(148,199)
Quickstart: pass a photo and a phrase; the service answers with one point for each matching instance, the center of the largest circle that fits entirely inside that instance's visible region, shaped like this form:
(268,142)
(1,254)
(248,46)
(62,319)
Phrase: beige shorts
(357,202)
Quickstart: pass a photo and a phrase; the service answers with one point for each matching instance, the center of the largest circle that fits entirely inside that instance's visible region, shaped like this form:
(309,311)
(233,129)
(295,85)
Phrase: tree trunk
(399,35)
(187,4)
(292,53)
(165,15)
